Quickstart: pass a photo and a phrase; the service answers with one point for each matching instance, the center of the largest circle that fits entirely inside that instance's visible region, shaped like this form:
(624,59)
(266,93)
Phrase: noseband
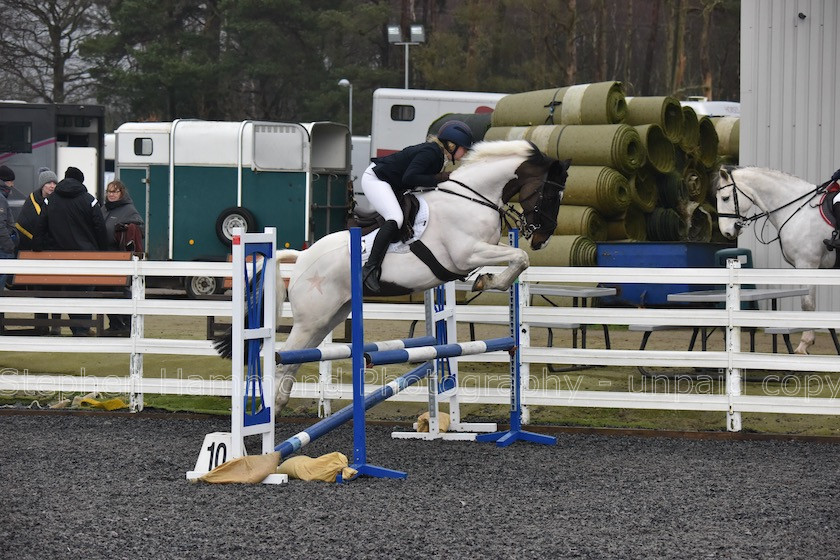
(742,221)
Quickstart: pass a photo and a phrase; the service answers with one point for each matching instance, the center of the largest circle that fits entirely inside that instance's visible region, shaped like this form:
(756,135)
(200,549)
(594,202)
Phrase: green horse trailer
(193,181)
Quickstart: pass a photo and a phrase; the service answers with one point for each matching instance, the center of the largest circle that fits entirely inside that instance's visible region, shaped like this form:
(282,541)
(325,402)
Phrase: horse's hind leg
(808,337)
(308,331)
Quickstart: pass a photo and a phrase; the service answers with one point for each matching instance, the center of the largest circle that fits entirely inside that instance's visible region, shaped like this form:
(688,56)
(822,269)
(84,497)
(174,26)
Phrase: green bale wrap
(708,147)
(672,191)
(612,145)
(665,224)
(691,131)
(479,123)
(564,250)
(660,150)
(632,225)
(696,180)
(581,220)
(603,188)
(664,111)
(699,223)
(728,131)
(644,193)
(598,103)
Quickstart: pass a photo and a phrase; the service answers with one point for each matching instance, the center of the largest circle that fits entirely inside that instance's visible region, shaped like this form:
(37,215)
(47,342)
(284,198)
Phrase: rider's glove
(444,176)
(836,176)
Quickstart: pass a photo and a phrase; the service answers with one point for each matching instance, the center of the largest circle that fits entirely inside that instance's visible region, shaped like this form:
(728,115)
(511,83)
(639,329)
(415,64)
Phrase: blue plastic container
(654,255)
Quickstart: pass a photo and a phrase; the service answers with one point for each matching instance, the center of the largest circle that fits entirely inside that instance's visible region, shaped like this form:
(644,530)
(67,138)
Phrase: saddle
(410,206)
(826,204)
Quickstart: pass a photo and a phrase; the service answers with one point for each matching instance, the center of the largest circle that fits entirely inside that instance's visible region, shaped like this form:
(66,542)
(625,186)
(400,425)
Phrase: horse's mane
(773,173)
(493,149)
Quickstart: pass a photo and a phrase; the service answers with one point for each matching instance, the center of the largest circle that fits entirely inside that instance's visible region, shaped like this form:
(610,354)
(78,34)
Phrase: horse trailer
(34,135)
(193,181)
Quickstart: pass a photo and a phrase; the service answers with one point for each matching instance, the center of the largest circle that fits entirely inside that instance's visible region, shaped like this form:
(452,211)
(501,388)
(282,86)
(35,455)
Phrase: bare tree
(39,48)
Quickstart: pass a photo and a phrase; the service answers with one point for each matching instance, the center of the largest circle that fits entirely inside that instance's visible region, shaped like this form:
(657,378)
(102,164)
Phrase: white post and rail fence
(732,361)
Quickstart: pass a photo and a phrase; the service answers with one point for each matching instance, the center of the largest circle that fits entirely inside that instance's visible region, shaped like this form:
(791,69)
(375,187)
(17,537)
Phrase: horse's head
(732,203)
(540,181)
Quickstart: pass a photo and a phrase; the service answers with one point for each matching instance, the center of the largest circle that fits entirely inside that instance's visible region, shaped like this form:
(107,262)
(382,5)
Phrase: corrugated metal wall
(790,94)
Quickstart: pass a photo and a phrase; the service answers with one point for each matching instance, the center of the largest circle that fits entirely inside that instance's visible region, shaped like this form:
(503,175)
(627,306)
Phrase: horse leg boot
(373,267)
(834,242)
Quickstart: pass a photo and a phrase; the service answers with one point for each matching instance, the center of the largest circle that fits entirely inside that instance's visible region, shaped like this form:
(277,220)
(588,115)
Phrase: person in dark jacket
(119,210)
(389,176)
(8,233)
(71,220)
(30,213)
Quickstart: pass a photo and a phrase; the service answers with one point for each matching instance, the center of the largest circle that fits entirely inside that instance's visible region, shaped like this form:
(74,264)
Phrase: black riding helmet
(457,132)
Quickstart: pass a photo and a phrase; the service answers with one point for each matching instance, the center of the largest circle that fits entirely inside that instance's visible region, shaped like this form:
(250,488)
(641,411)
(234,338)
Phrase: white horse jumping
(791,205)
(463,232)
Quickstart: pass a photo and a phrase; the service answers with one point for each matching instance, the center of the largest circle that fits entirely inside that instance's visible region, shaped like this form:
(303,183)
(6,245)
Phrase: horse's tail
(223,343)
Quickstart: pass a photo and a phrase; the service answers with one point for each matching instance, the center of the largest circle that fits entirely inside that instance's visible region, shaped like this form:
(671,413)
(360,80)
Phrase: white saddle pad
(420,223)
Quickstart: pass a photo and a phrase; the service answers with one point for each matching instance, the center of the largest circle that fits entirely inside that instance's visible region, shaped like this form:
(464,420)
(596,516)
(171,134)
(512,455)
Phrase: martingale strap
(424,254)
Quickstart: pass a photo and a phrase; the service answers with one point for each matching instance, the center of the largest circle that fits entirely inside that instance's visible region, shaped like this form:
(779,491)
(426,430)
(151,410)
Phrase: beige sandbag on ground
(251,469)
(423,422)
(324,468)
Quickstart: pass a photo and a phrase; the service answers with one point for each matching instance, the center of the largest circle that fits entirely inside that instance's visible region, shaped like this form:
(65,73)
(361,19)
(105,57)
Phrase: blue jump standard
(341,352)
(425,353)
(313,432)
(360,464)
(515,433)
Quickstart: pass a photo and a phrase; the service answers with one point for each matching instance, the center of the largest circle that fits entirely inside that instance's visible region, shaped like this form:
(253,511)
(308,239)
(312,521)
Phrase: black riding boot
(834,242)
(373,268)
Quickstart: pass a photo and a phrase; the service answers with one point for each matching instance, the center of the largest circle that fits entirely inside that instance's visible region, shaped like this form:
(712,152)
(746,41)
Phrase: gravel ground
(106,486)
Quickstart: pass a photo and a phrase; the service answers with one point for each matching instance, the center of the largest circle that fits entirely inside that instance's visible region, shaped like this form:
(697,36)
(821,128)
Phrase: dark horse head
(540,182)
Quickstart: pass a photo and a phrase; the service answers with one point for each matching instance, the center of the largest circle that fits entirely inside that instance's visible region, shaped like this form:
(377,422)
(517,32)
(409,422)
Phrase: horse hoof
(480,283)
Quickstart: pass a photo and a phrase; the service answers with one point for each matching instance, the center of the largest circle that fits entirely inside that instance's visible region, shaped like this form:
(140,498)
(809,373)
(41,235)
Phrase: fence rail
(731,360)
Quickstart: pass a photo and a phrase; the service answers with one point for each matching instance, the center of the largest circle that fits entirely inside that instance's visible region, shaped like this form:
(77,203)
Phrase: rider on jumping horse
(389,176)
(834,242)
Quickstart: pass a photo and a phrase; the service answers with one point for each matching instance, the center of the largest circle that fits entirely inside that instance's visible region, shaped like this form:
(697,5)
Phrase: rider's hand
(444,176)
(836,176)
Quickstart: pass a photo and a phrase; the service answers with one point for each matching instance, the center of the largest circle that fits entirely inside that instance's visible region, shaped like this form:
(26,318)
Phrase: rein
(508,215)
(746,220)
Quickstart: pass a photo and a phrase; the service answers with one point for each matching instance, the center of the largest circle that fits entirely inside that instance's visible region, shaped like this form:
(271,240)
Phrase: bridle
(508,215)
(743,221)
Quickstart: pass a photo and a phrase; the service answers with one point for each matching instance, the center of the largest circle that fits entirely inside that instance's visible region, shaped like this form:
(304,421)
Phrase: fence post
(138,294)
(733,343)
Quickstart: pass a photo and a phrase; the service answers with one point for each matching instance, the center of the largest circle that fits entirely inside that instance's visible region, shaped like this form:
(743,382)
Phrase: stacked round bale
(639,165)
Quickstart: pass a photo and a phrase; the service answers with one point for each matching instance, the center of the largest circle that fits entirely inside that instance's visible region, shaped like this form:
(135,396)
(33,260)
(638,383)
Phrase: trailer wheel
(198,287)
(231,218)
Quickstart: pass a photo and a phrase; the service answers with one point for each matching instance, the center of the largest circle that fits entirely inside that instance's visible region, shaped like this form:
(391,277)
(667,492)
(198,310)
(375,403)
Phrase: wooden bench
(51,285)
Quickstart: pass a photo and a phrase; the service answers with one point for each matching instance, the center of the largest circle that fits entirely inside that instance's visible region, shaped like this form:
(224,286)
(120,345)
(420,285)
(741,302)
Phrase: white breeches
(381,196)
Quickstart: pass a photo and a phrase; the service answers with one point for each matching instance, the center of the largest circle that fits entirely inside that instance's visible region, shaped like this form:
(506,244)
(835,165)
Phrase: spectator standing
(8,233)
(71,220)
(118,212)
(28,222)
(30,213)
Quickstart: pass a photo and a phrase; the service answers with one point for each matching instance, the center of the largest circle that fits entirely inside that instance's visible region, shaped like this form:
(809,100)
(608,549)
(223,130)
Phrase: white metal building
(790,102)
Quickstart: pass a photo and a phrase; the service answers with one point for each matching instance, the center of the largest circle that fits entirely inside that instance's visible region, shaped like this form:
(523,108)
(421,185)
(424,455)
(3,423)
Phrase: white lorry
(401,117)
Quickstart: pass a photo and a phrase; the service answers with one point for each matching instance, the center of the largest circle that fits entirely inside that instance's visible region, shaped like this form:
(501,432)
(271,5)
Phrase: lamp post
(344,82)
(416,35)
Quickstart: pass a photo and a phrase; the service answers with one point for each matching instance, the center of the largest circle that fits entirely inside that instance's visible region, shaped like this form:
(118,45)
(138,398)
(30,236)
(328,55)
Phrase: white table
(747,294)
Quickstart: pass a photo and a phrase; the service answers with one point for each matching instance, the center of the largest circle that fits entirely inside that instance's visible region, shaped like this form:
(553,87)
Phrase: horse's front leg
(808,337)
(485,254)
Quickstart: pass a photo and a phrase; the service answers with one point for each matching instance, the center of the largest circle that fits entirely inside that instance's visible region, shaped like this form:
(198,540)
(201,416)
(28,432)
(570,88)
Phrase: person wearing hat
(28,222)
(8,233)
(71,220)
(389,176)
(31,210)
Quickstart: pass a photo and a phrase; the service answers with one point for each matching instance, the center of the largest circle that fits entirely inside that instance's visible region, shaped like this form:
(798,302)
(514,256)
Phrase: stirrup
(834,242)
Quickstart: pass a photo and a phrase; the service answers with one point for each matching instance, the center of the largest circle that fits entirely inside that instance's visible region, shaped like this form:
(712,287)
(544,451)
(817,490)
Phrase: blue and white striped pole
(294,443)
(425,353)
(343,351)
